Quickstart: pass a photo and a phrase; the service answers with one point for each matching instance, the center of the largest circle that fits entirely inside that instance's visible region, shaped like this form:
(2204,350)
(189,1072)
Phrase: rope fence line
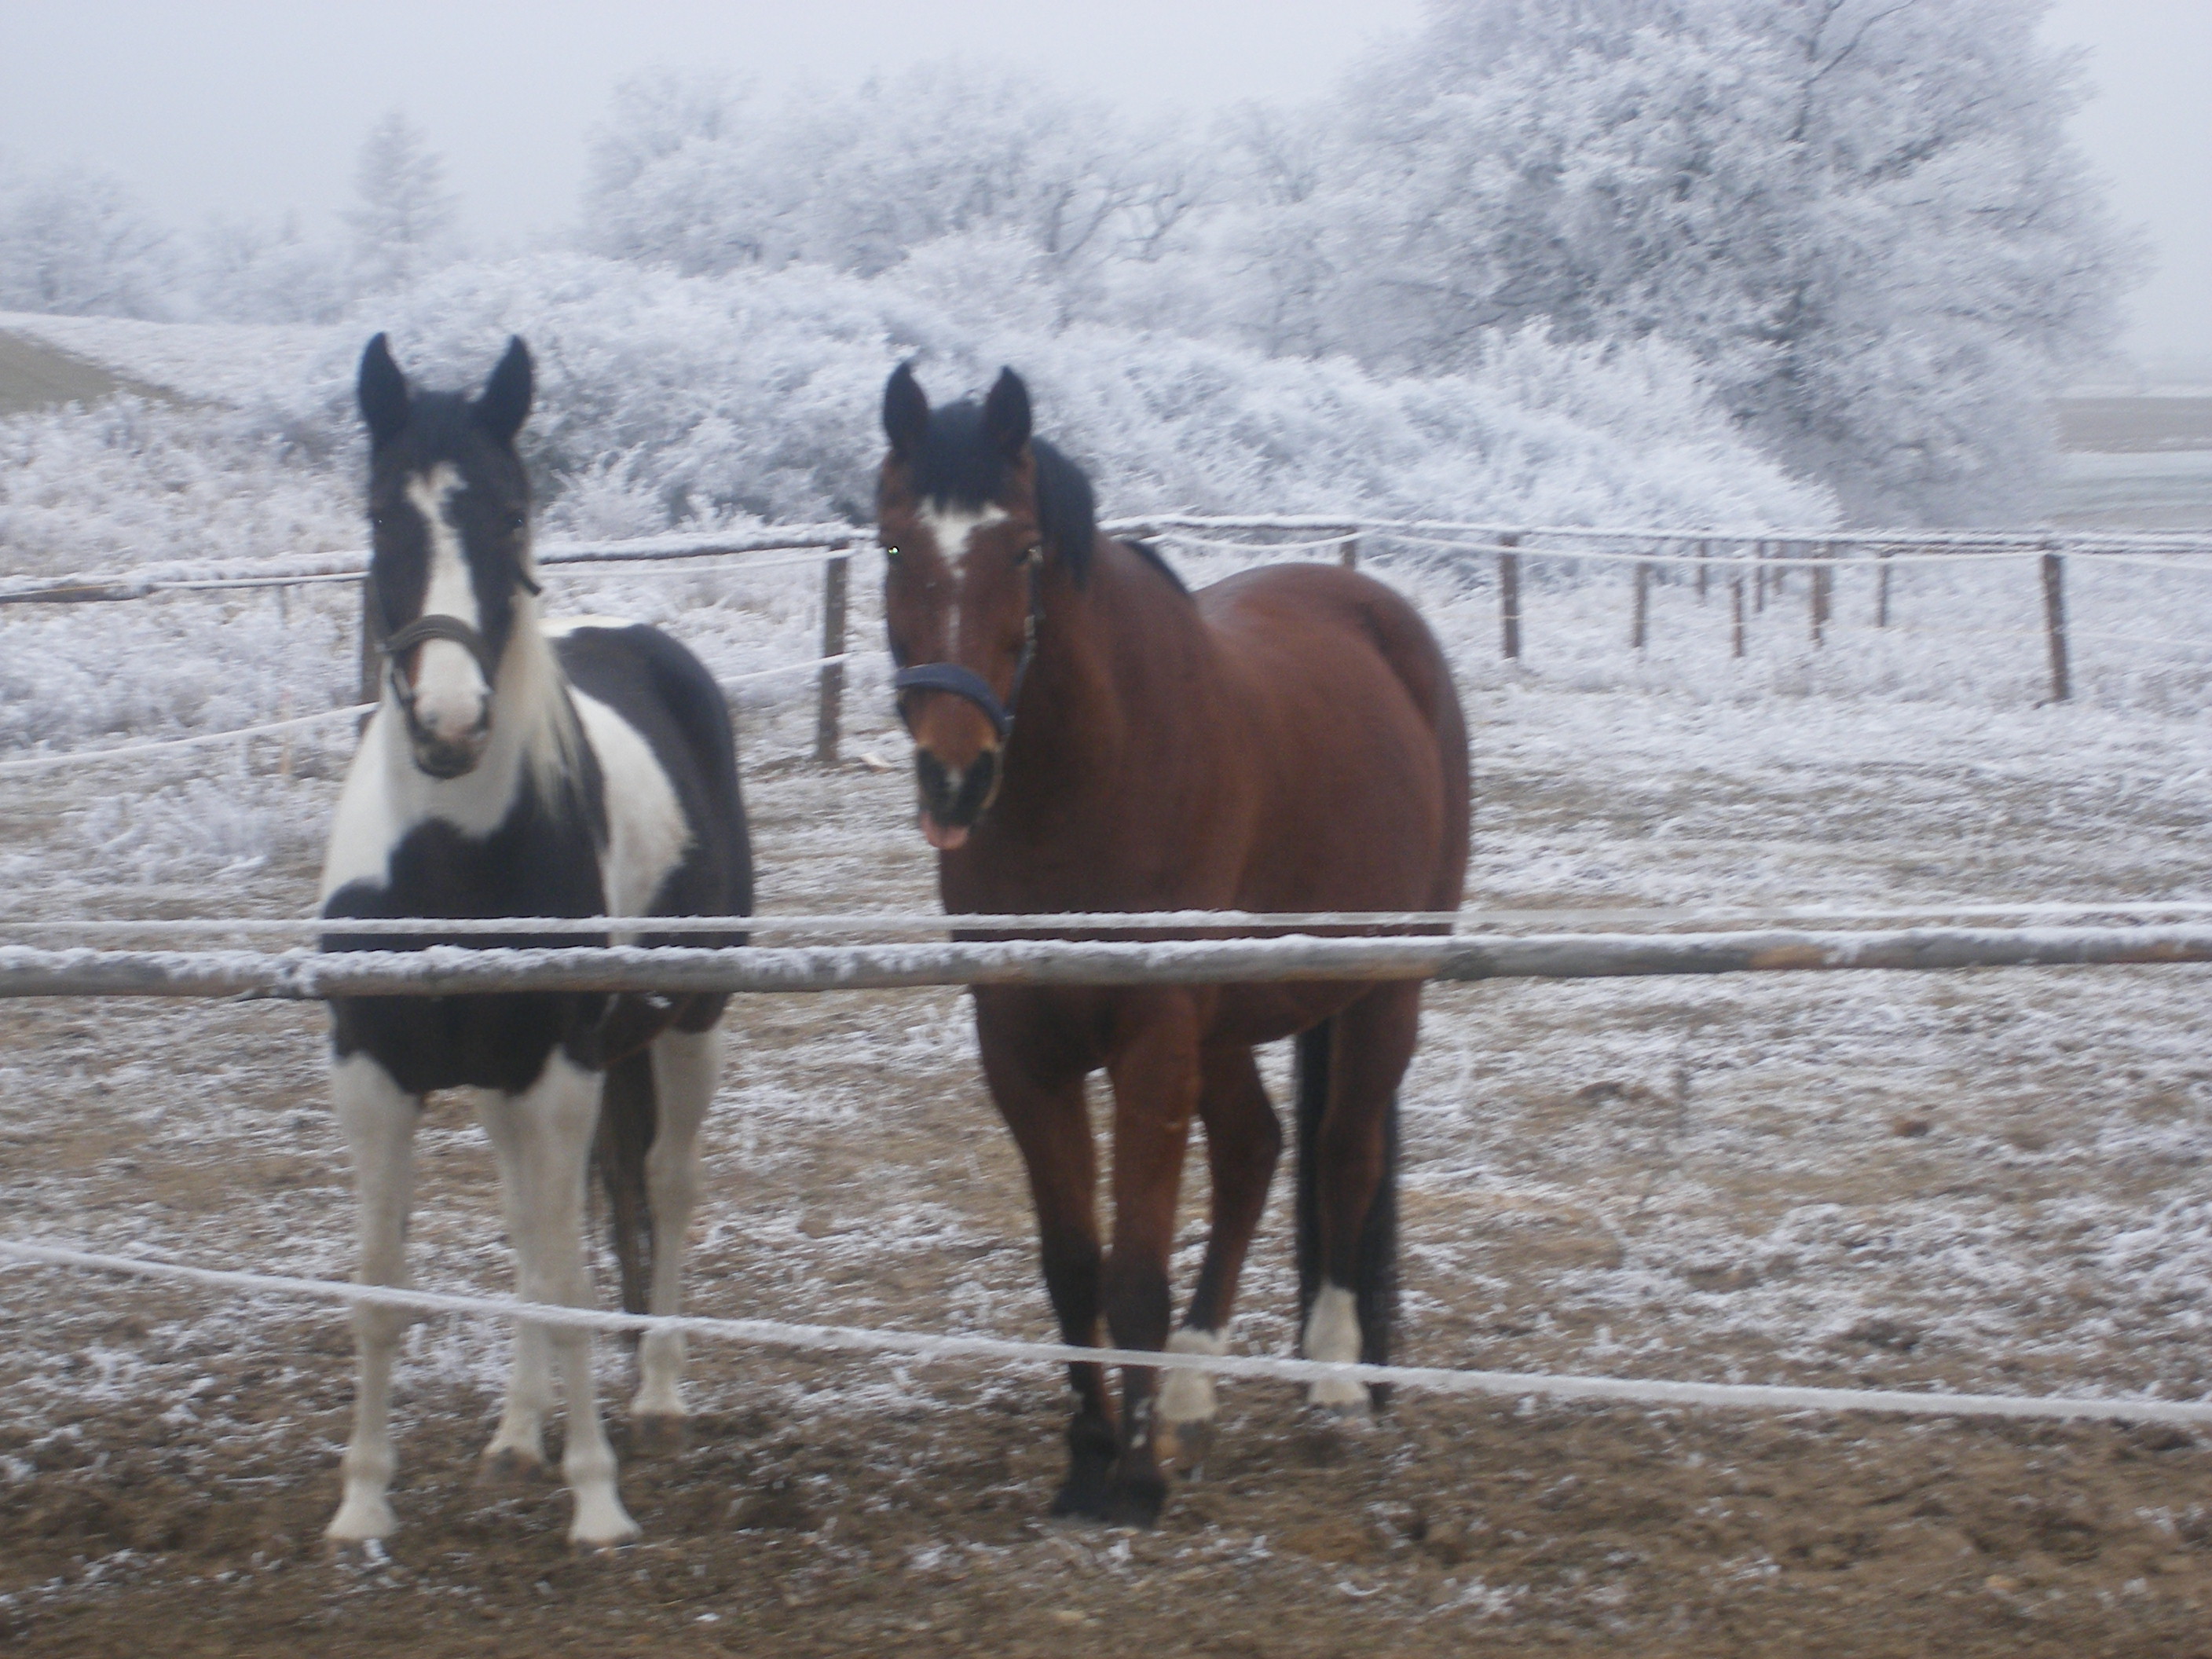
(827,540)
(241,733)
(932,1347)
(308,927)
(832,546)
(449,970)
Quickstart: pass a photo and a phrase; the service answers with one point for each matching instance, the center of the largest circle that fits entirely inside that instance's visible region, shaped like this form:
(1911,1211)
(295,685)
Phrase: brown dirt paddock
(1987,1180)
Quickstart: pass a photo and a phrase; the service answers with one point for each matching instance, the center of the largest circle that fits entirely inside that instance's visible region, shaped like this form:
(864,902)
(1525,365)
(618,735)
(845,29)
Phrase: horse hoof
(1083,1497)
(509,1468)
(1136,1502)
(1183,1446)
(660,1434)
(362,1555)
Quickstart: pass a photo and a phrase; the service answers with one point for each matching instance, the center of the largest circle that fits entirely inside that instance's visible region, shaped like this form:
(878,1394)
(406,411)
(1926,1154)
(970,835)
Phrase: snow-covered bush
(755,393)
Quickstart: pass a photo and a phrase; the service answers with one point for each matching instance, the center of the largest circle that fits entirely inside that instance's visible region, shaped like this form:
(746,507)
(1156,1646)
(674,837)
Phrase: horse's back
(666,697)
(1370,741)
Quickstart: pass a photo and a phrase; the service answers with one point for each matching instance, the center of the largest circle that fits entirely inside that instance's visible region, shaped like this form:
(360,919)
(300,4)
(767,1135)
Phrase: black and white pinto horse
(514,768)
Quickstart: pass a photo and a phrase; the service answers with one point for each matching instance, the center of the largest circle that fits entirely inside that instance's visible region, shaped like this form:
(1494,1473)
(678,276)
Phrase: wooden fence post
(1705,555)
(1509,595)
(2054,618)
(1822,576)
(1736,600)
(372,642)
(1641,631)
(1881,588)
(1349,557)
(828,719)
(1758,577)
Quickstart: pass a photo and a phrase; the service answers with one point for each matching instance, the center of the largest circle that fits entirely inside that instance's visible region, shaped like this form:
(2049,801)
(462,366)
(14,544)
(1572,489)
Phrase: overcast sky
(253,108)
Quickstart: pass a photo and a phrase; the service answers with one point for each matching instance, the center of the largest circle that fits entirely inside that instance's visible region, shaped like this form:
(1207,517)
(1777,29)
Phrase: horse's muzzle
(447,758)
(953,799)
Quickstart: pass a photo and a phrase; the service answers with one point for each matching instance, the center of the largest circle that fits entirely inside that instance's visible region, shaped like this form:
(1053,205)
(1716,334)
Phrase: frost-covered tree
(692,175)
(403,221)
(245,272)
(1863,217)
(76,241)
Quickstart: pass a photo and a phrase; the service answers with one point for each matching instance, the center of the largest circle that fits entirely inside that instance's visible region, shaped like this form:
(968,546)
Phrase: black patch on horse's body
(544,860)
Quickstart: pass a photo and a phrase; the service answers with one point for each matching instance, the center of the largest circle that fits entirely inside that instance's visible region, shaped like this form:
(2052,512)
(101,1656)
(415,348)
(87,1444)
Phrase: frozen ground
(1974,1181)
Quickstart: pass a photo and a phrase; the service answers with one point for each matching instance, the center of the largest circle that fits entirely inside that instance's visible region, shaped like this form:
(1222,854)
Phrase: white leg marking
(379,1122)
(543,1139)
(686,1066)
(1332,1334)
(518,1442)
(1187,1397)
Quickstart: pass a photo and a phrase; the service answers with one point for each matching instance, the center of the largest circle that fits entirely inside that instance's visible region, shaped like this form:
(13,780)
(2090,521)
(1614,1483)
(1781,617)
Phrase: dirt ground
(1971,1182)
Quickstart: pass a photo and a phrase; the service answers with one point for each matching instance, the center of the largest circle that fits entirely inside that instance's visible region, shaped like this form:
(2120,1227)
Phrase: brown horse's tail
(1376,1283)
(629,1116)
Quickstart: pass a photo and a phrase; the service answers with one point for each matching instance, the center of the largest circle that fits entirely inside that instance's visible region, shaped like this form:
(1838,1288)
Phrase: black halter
(424,629)
(966,683)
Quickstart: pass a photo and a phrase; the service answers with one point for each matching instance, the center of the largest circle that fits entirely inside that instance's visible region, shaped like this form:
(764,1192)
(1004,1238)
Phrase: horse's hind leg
(544,1139)
(686,1066)
(1347,1198)
(378,1120)
(1242,1140)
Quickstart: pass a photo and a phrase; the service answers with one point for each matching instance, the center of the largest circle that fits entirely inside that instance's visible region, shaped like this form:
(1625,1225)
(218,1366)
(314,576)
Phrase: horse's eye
(517,522)
(890,556)
(1031,554)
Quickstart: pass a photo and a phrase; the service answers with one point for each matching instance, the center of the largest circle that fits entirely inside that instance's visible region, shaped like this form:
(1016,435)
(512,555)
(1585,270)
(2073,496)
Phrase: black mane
(957,462)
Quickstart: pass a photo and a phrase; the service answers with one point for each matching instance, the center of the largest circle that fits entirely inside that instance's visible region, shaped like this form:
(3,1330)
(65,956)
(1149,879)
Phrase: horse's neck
(1106,651)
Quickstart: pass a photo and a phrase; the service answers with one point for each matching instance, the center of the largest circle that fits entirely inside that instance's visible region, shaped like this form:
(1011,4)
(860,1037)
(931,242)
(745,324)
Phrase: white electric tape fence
(931,1346)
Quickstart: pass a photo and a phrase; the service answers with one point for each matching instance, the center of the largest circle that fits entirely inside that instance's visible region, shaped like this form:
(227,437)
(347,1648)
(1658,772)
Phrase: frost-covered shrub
(755,394)
(133,481)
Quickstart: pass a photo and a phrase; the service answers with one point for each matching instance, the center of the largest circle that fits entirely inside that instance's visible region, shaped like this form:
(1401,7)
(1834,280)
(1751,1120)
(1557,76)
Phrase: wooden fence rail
(445,970)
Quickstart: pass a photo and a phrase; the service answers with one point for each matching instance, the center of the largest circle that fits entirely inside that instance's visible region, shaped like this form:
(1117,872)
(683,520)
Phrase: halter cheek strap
(966,683)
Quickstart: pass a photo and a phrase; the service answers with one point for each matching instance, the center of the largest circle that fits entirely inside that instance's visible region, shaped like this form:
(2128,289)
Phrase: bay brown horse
(1089,735)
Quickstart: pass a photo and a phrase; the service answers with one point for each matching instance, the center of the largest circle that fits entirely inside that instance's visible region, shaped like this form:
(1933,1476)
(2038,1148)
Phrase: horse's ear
(906,413)
(1006,414)
(505,404)
(383,392)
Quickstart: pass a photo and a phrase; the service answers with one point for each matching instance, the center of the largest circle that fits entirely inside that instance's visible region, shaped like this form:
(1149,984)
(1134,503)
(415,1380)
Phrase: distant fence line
(1753,561)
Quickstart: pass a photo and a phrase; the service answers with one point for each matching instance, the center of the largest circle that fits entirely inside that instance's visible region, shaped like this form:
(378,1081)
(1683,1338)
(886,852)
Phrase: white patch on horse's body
(1187,1397)
(1332,1334)
(559,627)
(534,738)
(954,528)
(647,832)
(449,692)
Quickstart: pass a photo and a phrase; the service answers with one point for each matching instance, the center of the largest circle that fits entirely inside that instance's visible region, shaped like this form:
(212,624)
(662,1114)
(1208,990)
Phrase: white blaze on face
(449,692)
(954,529)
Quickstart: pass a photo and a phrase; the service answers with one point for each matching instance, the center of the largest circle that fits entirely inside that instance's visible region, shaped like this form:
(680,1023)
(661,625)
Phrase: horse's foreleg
(686,1066)
(1243,1141)
(1051,1125)
(543,1139)
(1354,1202)
(377,1119)
(1156,1090)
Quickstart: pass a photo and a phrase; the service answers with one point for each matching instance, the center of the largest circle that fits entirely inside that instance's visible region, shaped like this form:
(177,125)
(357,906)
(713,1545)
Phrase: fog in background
(248,106)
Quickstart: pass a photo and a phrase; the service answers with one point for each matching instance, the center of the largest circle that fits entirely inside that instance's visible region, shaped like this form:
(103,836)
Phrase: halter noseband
(966,683)
(424,629)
